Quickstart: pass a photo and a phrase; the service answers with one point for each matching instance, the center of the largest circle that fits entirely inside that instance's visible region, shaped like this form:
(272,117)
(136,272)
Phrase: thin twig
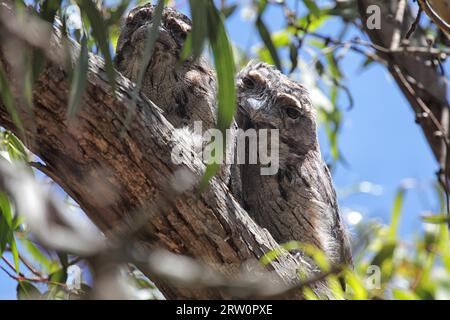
(9,264)
(30,266)
(415,23)
(399,15)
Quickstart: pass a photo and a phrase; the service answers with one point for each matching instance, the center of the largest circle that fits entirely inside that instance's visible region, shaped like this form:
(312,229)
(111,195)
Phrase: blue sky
(379,139)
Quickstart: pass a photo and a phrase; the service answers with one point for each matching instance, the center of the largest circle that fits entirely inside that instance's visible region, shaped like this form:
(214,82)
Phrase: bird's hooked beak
(254,104)
(250,105)
(247,107)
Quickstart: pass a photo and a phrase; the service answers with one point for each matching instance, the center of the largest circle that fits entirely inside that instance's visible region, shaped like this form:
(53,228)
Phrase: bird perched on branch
(186,91)
(299,201)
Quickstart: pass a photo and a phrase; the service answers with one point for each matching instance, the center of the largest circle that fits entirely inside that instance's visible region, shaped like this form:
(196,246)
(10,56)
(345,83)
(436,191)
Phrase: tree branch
(421,83)
(112,176)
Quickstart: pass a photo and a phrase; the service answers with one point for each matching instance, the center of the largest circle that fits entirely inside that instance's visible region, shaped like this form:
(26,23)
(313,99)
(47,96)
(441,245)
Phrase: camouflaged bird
(299,201)
(186,91)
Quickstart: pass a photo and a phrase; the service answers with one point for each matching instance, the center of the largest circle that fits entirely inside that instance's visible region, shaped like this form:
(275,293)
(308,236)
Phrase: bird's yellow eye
(292,112)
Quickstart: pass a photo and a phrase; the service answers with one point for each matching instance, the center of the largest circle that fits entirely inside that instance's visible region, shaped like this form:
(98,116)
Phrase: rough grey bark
(114,174)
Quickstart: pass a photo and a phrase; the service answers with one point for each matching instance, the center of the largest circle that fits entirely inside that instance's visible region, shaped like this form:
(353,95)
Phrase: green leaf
(318,255)
(262,4)
(199,10)
(266,38)
(228,10)
(293,55)
(116,13)
(143,283)
(5,208)
(150,40)
(48,9)
(31,65)
(312,23)
(436,219)
(224,64)
(385,253)
(404,295)
(64,259)
(333,67)
(38,255)
(8,100)
(59,276)
(367,62)
(5,232)
(14,252)
(79,79)
(309,294)
(396,211)
(270,256)
(15,147)
(356,284)
(100,33)
(312,7)
(26,291)
(7,229)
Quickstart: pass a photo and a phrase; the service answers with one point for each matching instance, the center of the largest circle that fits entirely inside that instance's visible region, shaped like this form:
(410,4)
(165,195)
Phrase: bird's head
(267,99)
(135,29)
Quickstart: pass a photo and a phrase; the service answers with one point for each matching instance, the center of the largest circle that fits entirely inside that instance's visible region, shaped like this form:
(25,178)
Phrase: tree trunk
(115,173)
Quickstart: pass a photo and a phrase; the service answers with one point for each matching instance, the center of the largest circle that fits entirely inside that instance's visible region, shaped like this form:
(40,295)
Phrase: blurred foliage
(386,267)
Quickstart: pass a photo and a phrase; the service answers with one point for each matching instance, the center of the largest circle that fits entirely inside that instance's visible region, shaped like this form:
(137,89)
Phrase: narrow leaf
(8,100)
(293,55)
(199,10)
(265,37)
(396,211)
(15,147)
(312,7)
(436,219)
(100,33)
(79,80)
(224,63)
(26,291)
(150,40)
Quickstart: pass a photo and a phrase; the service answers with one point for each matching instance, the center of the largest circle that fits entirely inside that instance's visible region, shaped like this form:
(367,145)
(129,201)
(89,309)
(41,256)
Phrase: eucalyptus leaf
(79,79)
(312,7)
(266,38)
(149,45)
(100,33)
(9,102)
(199,10)
(27,291)
(225,68)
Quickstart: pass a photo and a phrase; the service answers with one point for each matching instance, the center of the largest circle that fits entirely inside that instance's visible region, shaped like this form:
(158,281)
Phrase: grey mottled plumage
(299,203)
(186,91)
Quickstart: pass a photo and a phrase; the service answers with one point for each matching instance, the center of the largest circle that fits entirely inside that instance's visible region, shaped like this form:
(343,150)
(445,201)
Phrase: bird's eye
(248,82)
(179,34)
(292,112)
